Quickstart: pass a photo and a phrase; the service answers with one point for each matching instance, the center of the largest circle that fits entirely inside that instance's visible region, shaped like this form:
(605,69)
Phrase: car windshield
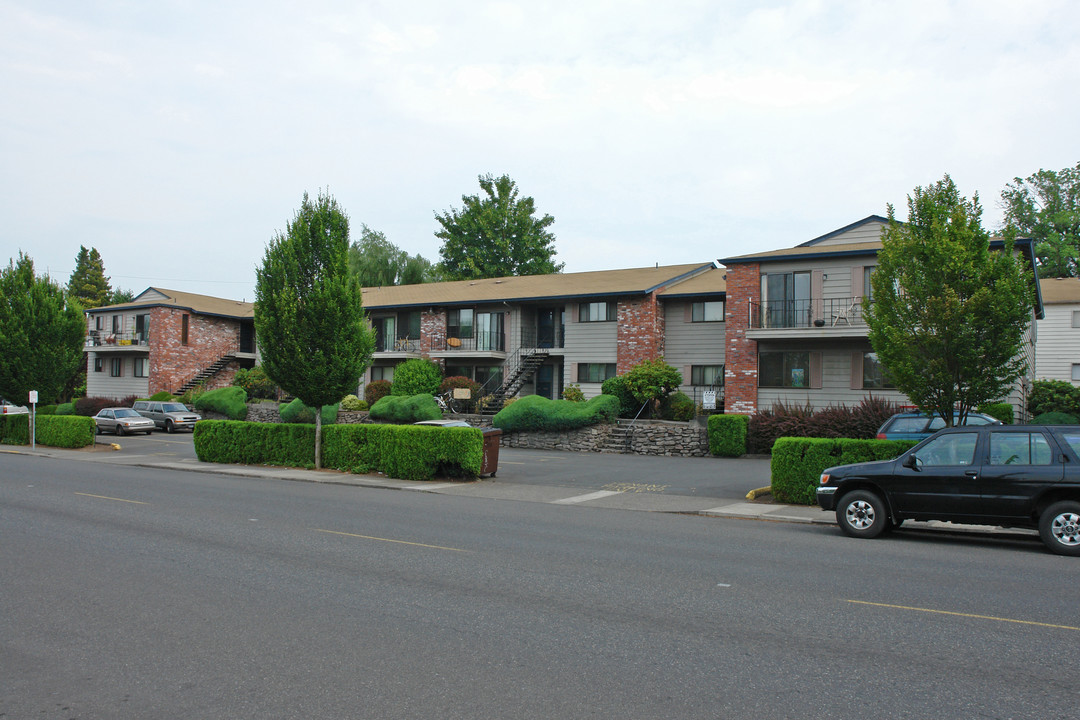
(173,407)
(126,412)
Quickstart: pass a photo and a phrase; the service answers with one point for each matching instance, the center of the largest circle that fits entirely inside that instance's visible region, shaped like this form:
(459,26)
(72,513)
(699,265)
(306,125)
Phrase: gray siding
(1058,345)
(103,384)
(689,343)
(590,342)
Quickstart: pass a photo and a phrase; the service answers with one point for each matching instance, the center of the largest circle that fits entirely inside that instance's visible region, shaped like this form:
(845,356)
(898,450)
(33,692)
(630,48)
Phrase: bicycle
(446,402)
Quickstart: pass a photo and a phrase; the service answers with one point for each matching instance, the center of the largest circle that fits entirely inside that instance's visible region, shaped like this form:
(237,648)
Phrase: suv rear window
(907,425)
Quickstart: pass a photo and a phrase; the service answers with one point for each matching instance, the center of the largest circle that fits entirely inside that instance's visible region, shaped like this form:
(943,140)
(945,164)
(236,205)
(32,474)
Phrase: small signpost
(708,400)
(33,419)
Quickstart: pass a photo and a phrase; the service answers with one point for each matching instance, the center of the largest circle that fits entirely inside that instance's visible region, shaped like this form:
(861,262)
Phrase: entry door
(545,328)
(545,381)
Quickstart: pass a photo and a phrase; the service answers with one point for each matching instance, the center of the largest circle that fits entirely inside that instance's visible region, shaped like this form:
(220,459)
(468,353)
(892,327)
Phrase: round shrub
(375,391)
(256,383)
(298,412)
(534,412)
(1055,418)
(351,403)
(677,406)
(616,386)
(161,396)
(416,376)
(411,409)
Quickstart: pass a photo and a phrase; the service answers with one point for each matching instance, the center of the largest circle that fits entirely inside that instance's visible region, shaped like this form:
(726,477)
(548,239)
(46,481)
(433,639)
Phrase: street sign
(708,400)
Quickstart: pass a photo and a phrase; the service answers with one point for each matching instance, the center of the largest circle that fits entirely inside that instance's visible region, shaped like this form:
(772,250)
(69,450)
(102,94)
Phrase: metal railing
(544,338)
(397,344)
(103,338)
(479,342)
(820,312)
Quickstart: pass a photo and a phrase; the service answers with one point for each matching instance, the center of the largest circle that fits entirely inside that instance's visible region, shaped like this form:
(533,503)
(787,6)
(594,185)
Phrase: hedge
(407,452)
(228,401)
(1001,411)
(797,463)
(411,409)
(727,434)
(63,431)
(534,412)
(297,412)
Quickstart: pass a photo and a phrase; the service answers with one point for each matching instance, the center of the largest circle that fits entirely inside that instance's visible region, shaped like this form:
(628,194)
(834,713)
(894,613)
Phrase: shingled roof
(202,304)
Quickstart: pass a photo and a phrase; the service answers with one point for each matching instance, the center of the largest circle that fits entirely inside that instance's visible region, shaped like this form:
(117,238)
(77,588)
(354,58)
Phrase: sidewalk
(761,509)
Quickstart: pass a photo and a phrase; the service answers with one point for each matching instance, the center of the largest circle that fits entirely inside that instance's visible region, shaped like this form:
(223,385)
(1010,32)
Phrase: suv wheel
(1059,527)
(169,426)
(862,514)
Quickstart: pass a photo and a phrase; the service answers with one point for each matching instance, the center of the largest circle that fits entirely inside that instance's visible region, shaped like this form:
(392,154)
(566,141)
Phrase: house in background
(1057,350)
(167,340)
(795,330)
(536,334)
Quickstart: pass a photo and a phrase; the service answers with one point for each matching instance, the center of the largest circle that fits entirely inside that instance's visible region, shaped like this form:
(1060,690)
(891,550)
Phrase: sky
(178,137)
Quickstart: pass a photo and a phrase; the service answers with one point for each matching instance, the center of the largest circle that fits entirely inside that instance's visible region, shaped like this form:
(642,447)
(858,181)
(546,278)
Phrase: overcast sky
(177,137)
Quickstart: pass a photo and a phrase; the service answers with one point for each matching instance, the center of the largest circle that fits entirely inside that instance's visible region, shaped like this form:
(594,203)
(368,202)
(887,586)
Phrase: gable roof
(1060,291)
(202,304)
(559,286)
(710,282)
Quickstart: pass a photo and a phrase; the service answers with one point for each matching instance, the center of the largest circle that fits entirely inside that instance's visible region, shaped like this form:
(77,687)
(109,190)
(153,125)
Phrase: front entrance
(545,381)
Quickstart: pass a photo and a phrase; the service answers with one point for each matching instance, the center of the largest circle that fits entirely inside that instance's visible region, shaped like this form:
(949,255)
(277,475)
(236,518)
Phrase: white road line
(585,498)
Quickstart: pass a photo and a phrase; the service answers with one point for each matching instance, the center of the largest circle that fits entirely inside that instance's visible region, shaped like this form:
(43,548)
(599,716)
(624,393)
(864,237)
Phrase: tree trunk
(318,438)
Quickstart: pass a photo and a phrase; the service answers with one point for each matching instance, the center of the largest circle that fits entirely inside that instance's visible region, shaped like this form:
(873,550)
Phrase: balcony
(545,337)
(481,343)
(822,317)
(101,340)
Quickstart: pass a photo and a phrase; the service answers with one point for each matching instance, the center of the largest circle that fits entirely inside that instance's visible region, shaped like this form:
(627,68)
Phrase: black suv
(1006,475)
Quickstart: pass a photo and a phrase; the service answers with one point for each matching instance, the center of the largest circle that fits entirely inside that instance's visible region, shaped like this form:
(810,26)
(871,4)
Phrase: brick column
(640,331)
(740,355)
(432,330)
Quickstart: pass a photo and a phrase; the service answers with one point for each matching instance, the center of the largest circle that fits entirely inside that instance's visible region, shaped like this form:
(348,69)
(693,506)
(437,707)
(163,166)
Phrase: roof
(600,283)
(202,304)
(809,252)
(1060,291)
(710,282)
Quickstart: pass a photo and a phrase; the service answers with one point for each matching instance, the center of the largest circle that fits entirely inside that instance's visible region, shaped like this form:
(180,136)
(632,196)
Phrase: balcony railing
(543,337)
(404,344)
(822,313)
(103,338)
(479,342)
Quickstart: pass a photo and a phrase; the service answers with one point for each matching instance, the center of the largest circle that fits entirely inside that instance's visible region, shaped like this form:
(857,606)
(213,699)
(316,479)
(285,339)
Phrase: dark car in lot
(1002,475)
(918,426)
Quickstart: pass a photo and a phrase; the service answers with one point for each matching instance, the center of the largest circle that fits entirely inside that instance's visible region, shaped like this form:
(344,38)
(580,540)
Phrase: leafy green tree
(377,262)
(88,283)
(42,330)
(949,316)
(650,381)
(1046,207)
(309,316)
(496,236)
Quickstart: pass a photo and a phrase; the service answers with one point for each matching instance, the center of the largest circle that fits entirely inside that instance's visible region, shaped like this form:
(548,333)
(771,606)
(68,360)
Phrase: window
(141,369)
(1076,318)
(597,312)
(117,324)
(184,329)
(595,372)
(117,369)
(489,331)
(382,372)
(787,299)
(873,374)
(490,377)
(956,449)
(1076,372)
(784,369)
(1019,448)
(707,375)
(459,323)
(99,322)
(99,364)
(712,311)
(385,333)
(409,325)
(458,371)
(142,328)
(867,288)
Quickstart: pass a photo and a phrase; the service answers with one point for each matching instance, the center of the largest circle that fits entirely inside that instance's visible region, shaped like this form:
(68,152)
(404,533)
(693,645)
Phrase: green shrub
(572,392)
(65,431)
(727,435)
(46,410)
(797,463)
(1002,411)
(376,390)
(161,396)
(228,401)
(408,452)
(677,406)
(616,386)
(652,380)
(252,443)
(397,409)
(88,407)
(15,429)
(1055,418)
(534,412)
(1054,396)
(297,412)
(65,409)
(351,403)
(416,376)
(256,383)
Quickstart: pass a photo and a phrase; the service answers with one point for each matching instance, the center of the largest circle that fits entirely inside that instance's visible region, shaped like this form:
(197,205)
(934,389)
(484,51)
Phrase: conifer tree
(88,283)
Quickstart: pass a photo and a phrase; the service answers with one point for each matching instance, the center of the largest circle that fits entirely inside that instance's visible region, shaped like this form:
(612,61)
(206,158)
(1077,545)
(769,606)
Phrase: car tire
(149,431)
(1059,528)
(119,430)
(97,429)
(862,514)
(169,427)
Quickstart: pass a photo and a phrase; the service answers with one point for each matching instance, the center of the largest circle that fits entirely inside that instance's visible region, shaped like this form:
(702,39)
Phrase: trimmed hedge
(727,434)
(797,463)
(416,376)
(406,452)
(400,410)
(1001,411)
(63,431)
(1055,418)
(228,401)
(534,412)
(298,412)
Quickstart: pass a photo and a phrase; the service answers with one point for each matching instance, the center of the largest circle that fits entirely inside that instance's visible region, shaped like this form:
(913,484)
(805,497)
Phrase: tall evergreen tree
(309,316)
(949,315)
(42,330)
(88,283)
(496,236)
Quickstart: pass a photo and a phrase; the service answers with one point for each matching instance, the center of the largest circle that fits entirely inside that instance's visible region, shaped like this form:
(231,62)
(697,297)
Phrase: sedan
(122,421)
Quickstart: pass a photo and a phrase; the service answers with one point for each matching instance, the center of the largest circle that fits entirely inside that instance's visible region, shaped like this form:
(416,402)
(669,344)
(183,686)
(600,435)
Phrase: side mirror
(911,462)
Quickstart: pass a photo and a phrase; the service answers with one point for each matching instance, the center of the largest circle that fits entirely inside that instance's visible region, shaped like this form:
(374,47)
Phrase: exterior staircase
(618,441)
(515,378)
(205,374)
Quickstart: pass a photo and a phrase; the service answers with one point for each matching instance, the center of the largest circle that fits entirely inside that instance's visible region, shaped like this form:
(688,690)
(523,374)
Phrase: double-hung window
(710,311)
(459,323)
(595,372)
(597,312)
(784,369)
(707,375)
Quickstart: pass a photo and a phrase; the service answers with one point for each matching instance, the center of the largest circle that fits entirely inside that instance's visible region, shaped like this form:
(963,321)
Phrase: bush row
(63,431)
(408,452)
(797,463)
(405,409)
(857,422)
(534,412)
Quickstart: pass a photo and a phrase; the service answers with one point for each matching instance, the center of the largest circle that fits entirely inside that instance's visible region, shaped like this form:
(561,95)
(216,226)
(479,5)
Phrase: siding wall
(103,384)
(589,342)
(689,343)
(1058,343)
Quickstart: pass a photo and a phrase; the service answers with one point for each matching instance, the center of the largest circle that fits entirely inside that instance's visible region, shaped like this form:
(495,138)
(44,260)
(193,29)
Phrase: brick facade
(208,339)
(640,331)
(432,332)
(740,354)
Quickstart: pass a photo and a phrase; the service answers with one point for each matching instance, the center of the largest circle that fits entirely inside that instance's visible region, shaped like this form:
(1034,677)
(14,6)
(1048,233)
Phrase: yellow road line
(400,542)
(966,615)
(106,497)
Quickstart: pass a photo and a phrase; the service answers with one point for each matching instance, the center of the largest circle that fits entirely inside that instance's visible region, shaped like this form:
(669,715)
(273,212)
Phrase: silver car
(169,416)
(121,421)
